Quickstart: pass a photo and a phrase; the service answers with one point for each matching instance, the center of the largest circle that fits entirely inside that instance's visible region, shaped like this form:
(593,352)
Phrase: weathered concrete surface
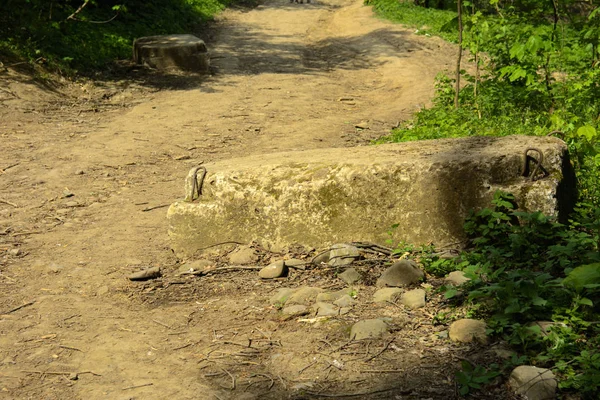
(185,52)
(320,197)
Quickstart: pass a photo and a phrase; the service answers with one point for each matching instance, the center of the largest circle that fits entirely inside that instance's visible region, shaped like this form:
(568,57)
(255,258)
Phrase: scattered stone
(442,335)
(54,268)
(369,328)
(345,301)
(149,273)
(456,278)
(102,290)
(362,125)
(281,296)
(305,295)
(295,263)
(71,204)
(401,273)
(326,309)
(8,360)
(275,270)
(15,252)
(413,299)
(534,383)
(322,258)
(468,330)
(342,254)
(345,310)
(350,276)
(73,376)
(67,193)
(301,386)
(502,351)
(195,266)
(295,311)
(79,172)
(386,294)
(332,296)
(243,255)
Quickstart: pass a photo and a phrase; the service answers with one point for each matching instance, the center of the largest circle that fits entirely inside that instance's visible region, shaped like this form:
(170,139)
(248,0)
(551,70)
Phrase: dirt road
(80,163)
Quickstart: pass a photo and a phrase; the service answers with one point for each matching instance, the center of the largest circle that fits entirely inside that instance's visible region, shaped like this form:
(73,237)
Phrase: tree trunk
(459,58)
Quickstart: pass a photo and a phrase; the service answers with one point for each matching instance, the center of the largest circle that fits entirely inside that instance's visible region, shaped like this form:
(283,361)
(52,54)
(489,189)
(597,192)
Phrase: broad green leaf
(538,301)
(589,132)
(586,302)
(583,275)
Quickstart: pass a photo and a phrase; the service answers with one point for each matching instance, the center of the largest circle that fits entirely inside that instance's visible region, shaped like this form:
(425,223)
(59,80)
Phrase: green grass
(428,21)
(39,31)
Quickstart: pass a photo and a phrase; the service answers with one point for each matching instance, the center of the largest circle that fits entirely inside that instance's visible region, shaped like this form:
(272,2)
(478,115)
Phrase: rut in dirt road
(287,77)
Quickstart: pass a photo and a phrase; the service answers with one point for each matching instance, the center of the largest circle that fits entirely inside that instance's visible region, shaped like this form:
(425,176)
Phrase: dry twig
(138,386)
(381,351)
(9,203)
(18,308)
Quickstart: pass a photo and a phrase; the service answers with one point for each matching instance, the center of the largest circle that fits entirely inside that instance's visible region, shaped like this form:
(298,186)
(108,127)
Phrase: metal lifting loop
(538,163)
(193,184)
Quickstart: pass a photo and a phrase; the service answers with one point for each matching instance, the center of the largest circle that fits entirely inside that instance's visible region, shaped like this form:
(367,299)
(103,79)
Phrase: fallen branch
(366,393)
(162,324)
(220,269)
(70,348)
(9,203)
(138,386)
(266,376)
(232,379)
(12,165)
(307,367)
(382,371)
(381,351)
(59,372)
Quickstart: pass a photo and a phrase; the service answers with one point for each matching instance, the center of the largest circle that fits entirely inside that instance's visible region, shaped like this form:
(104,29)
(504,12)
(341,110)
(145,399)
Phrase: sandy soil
(80,163)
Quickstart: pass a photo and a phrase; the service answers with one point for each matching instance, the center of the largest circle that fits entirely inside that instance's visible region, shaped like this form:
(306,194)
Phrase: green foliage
(534,72)
(475,377)
(427,21)
(534,69)
(101,32)
(526,267)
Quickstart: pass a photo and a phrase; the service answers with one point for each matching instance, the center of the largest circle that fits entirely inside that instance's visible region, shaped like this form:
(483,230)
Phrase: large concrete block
(319,197)
(185,52)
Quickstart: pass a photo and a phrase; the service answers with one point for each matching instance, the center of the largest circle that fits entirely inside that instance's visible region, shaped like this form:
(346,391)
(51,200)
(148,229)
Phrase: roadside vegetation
(537,72)
(70,36)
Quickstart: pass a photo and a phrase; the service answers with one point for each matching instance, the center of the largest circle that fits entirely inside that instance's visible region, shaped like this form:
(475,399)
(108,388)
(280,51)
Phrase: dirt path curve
(78,168)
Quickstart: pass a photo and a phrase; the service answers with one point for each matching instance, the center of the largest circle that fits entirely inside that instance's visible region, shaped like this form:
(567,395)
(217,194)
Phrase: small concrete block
(184,52)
